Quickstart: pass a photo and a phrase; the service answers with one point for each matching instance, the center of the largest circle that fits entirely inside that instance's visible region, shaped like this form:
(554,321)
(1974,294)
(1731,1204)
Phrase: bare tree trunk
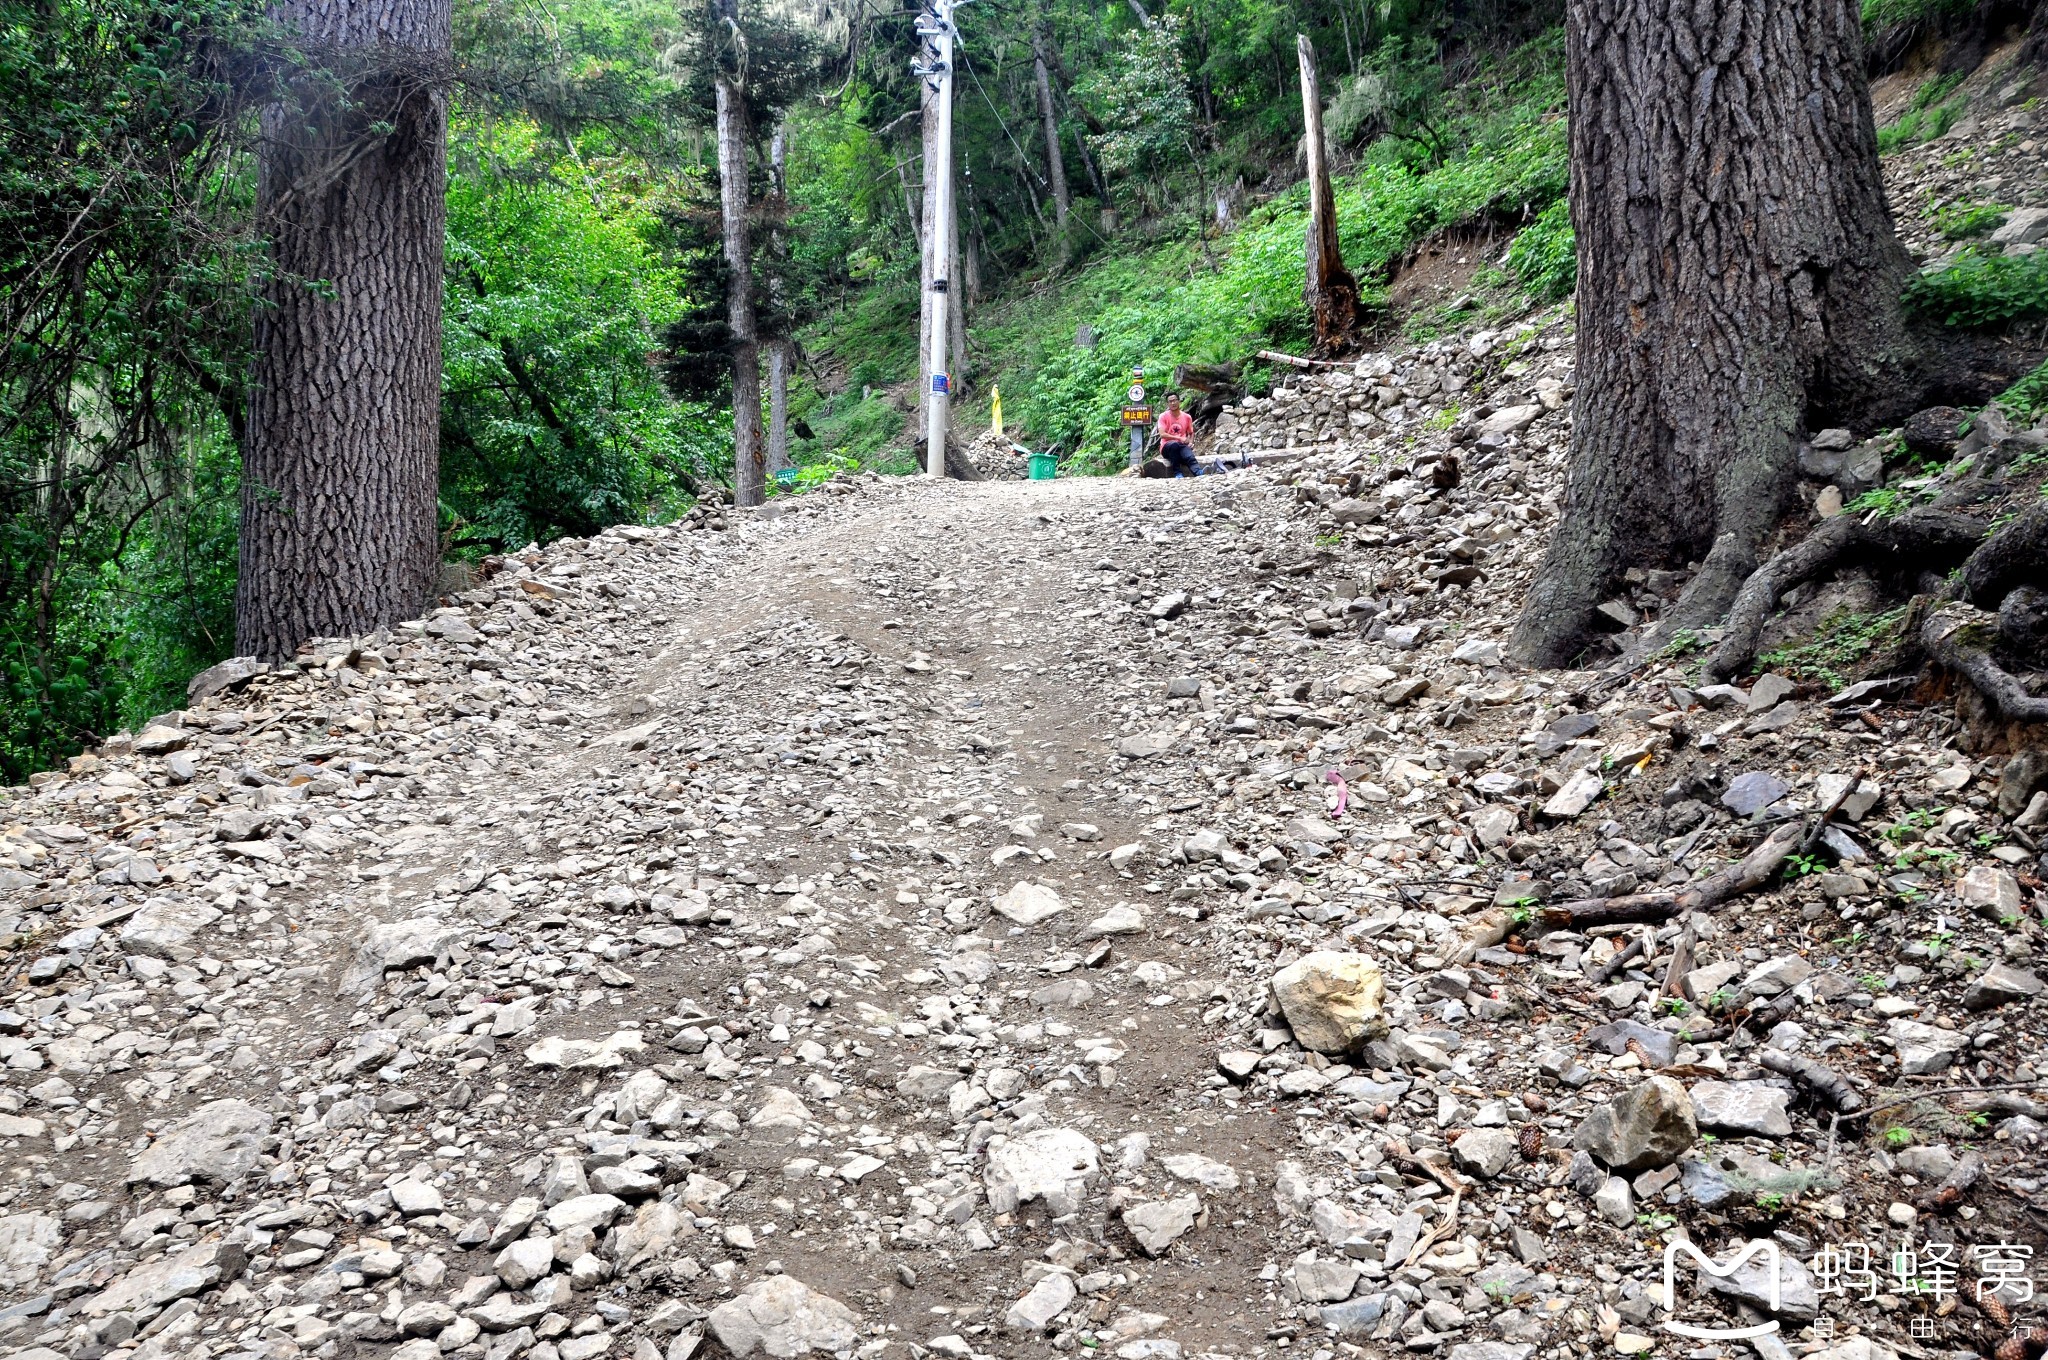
(748,480)
(1738,282)
(1055,167)
(779,346)
(927,362)
(1330,291)
(341,461)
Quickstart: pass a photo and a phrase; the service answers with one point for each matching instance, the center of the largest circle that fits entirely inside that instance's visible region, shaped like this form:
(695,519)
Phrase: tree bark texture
(1330,291)
(779,347)
(1055,166)
(748,478)
(340,466)
(1738,284)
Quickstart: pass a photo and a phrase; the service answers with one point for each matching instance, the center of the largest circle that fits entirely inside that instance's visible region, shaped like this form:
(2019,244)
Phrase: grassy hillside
(1187,296)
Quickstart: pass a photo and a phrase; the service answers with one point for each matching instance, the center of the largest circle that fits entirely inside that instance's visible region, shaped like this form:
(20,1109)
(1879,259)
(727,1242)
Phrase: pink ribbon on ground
(1343,791)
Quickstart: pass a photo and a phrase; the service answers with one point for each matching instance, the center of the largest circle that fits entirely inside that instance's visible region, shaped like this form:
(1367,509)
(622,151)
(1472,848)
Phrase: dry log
(1274,356)
(1950,1192)
(1822,1080)
(1606,971)
(1746,875)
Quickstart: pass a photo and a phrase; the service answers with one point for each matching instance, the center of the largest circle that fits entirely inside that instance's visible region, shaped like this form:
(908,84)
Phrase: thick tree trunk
(779,351)
(1055,167)
(341,461)
(1738,283)
(747,473)
(1330,291)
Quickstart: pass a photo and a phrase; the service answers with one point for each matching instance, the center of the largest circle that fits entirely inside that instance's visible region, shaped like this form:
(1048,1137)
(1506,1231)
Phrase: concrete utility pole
(935,65)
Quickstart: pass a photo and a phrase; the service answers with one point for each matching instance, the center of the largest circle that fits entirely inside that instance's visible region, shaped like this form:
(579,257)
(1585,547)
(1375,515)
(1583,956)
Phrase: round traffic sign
(1137,393)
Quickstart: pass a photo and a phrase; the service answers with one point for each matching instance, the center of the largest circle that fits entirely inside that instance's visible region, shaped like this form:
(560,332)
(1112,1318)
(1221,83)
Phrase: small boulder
(1649,1125)
(1332,1000)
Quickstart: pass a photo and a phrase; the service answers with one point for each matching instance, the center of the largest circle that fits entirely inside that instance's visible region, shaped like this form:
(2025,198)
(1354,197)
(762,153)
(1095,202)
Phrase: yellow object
(995,414)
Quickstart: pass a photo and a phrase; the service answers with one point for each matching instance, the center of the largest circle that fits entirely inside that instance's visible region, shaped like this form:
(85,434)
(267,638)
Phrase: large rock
(165,928)
(1650,1125)
(223,675)
(782,1316)
(781,1118)
(1924,1049)
(1158,1224)
(1050,1297)
(1751,1282)
(218,1142)
(1052,1165)
(1029,903)
(167,1279)
(1999,984)
(1484,1153)
(1741,1107)
(1332,1000)
(398,944)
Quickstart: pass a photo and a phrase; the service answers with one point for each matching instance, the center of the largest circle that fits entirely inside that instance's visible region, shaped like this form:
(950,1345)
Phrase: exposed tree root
(2012,557)
(1931,540)
(1960,637)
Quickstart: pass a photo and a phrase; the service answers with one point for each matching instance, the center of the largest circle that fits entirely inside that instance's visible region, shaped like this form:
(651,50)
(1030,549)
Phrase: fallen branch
(1822,1080)
(1607,970)
(1746,875)
(1959,637)
(1274,356)
(1957,1183)
(1484,931)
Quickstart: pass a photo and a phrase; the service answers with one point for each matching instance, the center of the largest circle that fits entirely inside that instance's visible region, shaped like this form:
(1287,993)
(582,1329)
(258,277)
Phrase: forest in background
(584,283)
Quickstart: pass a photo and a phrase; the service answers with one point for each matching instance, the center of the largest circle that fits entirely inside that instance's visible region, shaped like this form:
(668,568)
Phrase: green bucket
(1044,466)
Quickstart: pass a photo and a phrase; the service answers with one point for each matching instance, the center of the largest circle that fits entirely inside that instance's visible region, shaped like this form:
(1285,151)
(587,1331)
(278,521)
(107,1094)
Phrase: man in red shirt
(1176,428)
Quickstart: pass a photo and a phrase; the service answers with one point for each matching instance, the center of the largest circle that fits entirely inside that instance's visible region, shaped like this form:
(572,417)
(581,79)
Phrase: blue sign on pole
(941,383)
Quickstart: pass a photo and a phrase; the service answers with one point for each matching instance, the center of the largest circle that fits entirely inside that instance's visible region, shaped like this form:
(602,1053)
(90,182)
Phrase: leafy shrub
(2027,399)
(1983,291)
(1883,14)
(1963,221)
(1544,255)
(1930,114)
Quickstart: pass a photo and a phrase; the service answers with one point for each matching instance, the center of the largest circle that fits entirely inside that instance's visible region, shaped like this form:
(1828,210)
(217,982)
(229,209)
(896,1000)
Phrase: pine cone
(2012,1348)
(1635,1046)
(1994,1310)
(1534,1103)
(1530,1140)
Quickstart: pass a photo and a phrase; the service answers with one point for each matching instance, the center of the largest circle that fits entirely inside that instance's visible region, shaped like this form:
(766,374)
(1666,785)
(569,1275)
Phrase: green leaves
(1983,290)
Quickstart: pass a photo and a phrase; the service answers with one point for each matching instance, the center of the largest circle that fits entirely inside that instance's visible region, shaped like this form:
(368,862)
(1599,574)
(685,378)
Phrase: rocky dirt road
(1115,917)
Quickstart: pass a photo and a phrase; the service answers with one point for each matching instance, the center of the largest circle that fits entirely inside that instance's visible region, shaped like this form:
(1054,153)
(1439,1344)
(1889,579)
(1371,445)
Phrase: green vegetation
(1964,221)
(1929,115)
(1544,255)
(1883,14)
(2027,399)
(1844,641)
(1191,300)
(1982,290)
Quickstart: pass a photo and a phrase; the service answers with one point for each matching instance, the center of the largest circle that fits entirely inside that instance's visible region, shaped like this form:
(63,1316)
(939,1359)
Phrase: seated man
(1176,429)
